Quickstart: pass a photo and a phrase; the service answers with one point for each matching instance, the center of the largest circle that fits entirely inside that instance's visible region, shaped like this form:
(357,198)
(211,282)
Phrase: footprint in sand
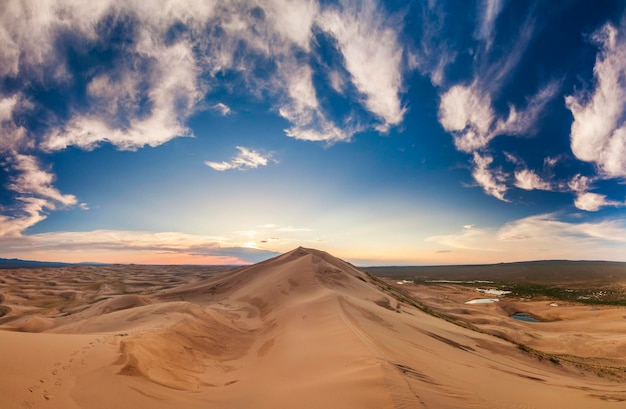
(58,382)
(46,395)
(54,371)
(33,388)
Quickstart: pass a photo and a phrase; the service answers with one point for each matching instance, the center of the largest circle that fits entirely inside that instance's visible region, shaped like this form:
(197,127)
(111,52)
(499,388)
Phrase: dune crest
(304,329)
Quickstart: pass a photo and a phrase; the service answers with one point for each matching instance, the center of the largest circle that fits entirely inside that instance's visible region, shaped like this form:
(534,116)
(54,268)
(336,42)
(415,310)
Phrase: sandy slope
(302,330)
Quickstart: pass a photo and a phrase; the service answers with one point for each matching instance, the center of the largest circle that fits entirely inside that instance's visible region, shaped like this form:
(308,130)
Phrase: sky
(384,132)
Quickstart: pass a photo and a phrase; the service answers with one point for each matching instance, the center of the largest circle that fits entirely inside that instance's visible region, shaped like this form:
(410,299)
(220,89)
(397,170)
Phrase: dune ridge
(303,329)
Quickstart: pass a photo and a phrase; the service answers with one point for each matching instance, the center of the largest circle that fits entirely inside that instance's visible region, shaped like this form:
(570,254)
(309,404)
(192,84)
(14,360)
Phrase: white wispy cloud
(245,159)
(14,134)
(598,133)
(32,180)
(540,237)
(31,212)
(548,228)
(114,242)
(303,111)
(592,202)
(222,108)
(467,239)
(467,111)
(528,180)
(580,183)
(491,180)
(589,201)
(520,122)
(35,192)
(488,10)
(433,54)
(372,53)
(173,90)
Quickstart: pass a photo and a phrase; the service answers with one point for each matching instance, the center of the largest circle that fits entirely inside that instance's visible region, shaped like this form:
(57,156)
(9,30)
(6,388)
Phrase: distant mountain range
(17,263)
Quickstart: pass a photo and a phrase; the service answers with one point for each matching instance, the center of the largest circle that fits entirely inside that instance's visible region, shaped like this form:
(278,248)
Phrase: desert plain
(305,330)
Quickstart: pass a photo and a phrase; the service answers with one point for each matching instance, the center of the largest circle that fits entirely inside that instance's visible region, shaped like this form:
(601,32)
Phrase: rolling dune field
(302,330)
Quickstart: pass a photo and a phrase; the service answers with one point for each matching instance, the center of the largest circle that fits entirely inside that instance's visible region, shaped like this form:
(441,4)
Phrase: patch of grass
(604,295)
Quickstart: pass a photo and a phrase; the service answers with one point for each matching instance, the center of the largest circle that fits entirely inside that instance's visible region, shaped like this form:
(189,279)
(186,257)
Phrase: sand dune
(302,330)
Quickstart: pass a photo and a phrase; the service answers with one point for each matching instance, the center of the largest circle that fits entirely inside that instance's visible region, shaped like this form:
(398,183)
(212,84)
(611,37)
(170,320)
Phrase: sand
(302,330)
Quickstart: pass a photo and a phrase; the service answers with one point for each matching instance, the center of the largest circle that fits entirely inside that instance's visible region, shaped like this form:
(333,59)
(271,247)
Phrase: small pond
(482,301)
(524,316)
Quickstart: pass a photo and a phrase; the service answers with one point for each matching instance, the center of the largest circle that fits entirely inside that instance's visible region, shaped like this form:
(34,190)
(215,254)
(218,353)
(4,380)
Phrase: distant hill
(17,263)
(548,271)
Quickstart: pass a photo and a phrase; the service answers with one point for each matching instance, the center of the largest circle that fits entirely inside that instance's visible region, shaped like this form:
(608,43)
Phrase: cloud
(589,201)
(528,180)
(115,243)
(303,111)
(466,239)
(172,91)
(522,122)
(580,183)
(467,110)
(372,54)
(433,54)
(488,11)
(35,194)
(547,227)
(491,180)
(598,133)
(541,237)
(592,202)
(14,135)
(223,109)
(31,212)
(245,159)
(31,180)
(467,113)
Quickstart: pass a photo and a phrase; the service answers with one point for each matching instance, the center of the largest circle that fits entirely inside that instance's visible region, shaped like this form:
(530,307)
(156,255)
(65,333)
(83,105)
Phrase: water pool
(524,316)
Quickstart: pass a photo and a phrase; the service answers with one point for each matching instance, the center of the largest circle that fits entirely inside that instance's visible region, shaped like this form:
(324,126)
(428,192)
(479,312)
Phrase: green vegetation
(605,295)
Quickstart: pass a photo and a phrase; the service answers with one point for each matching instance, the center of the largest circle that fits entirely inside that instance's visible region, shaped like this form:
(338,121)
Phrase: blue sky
(422,132)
